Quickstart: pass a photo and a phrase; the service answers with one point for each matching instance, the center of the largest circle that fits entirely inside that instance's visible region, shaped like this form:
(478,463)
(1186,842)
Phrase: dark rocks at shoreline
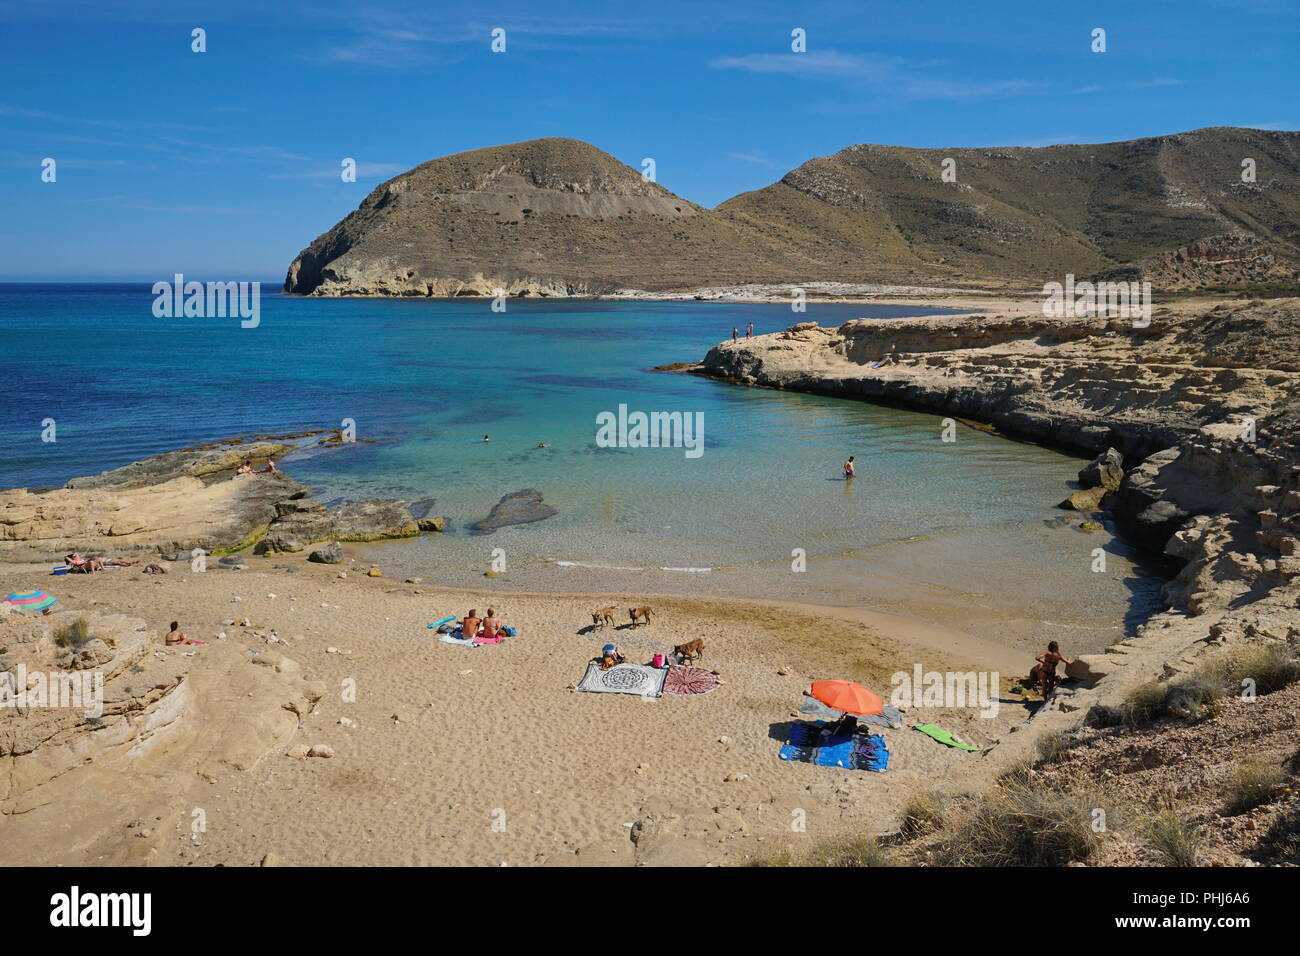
(518,507)
(421,507)
(331,554)
(371,519)
(1106,471)
(1087,500)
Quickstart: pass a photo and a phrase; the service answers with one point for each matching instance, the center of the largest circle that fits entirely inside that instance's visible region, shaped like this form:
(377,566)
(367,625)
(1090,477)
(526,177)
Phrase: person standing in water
(849,470)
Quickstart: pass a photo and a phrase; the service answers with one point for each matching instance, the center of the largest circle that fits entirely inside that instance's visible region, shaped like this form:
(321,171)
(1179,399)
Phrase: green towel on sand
(943,736)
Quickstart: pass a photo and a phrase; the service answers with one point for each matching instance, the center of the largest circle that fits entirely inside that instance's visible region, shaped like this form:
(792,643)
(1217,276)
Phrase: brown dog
(641,614)
(154,569)
(690,651)
(602,617)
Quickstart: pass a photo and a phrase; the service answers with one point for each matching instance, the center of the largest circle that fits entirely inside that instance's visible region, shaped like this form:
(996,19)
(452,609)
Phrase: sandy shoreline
(497,728)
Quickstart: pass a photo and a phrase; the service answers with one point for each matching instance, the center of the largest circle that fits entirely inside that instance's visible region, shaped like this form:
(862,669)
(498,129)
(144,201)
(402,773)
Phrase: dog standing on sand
(641,614)
(603,617)
(690,651)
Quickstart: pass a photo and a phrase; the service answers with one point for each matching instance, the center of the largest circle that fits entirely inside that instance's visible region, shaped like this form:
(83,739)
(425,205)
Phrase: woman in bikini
(1043,675)
(176,637)
(491,625)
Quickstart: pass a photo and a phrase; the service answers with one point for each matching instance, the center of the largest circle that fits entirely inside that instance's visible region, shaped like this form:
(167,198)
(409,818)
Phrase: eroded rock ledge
(189,499)
(1204,405)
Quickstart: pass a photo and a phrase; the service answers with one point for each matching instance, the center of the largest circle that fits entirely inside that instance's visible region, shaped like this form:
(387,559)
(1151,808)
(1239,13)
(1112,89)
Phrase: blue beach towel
(871,754)
(807,745)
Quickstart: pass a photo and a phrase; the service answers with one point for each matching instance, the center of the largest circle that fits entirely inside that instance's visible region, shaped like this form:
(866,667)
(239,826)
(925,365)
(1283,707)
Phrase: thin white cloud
(754,158)
(895,77)
(364,171)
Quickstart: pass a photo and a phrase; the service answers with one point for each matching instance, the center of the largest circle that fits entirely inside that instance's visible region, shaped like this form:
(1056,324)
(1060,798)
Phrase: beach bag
(657,661)
(509,631)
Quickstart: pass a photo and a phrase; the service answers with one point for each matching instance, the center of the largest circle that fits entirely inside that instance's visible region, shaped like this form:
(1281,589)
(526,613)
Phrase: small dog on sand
(605,616)
(639,614)
(690,651)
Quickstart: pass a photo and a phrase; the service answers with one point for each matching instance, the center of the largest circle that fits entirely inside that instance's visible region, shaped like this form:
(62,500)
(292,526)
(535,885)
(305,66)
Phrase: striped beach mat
(635,679)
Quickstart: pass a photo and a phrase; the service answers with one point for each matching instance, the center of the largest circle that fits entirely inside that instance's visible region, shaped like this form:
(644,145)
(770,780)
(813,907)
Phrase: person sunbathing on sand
(175,636)
(79,563)
(469,626)
(491,624)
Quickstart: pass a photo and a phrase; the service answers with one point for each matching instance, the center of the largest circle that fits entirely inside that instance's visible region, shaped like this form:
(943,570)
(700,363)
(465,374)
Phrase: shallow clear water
(424,380)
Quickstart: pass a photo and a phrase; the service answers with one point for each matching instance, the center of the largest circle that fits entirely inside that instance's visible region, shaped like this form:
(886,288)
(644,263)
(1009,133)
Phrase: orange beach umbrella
(847,696)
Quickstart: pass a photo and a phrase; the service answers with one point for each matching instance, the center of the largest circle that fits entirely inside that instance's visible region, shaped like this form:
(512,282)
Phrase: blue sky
(224,164)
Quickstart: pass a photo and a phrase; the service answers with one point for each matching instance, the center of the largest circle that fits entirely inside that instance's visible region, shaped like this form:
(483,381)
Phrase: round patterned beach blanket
(683,679)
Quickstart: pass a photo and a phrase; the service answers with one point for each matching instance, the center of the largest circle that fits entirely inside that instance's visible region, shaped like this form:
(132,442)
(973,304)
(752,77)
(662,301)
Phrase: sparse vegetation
(1254,783)
(1053,747)
(847,851)
(1262,669)
(73,636)
(1176,839)
(1021,825)
(1282,842)
(923,813)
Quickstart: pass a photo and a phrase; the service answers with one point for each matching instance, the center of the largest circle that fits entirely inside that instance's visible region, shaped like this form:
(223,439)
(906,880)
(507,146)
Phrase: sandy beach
(487,756)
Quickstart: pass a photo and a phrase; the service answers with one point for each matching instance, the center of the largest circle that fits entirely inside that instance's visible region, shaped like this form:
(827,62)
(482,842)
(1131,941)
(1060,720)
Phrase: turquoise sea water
(425,380)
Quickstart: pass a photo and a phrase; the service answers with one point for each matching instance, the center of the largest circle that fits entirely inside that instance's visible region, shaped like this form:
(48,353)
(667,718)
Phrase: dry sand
(486,756)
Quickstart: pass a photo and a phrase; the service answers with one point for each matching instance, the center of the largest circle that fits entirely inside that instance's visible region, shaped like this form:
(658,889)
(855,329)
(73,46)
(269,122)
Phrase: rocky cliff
(560,217)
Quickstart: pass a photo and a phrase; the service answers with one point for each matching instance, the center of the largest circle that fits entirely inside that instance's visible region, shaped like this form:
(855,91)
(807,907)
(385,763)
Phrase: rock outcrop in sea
(189,499)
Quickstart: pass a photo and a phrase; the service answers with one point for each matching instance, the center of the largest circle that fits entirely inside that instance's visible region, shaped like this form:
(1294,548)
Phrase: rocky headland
(559,217)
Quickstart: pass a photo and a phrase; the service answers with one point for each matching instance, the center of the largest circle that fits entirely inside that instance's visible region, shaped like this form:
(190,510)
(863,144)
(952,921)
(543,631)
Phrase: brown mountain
(560,217)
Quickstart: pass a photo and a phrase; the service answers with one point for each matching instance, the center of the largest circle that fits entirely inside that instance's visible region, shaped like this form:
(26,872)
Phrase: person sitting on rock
(1043,676)
(270,468)
(176,637)
(244,469)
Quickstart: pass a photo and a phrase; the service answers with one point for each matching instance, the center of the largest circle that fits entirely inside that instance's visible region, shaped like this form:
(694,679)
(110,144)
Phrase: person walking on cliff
(735,333)
(749,331)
